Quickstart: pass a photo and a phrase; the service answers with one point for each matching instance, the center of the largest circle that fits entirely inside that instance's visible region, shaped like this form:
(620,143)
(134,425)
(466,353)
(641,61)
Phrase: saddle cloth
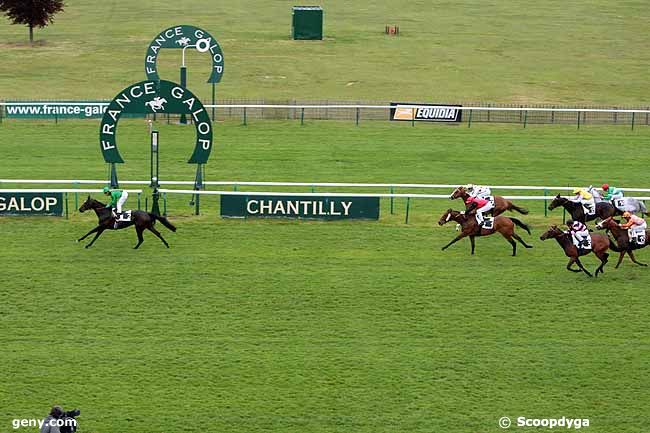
(637,236)
(125,217)
(582,241)
(619,204)
(488,223)
(589,208)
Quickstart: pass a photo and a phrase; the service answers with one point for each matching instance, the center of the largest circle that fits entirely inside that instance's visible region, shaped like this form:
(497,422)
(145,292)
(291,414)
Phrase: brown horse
(604,209)
(500,204)
(469,227)
(622,244)
(599,245)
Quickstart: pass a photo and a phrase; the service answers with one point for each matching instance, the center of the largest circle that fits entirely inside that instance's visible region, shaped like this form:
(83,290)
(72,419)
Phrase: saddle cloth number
(126,216)
(619,203)
(589,209)
(488,223)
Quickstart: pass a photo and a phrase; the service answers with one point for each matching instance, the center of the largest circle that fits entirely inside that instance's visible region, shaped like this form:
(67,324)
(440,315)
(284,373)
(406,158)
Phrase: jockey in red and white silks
(482,206)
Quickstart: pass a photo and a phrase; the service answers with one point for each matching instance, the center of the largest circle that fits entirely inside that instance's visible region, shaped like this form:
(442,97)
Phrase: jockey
(482,206)
(636,226)
(613,193)
(479,191)
(118,198)
(579,233)
(585,198)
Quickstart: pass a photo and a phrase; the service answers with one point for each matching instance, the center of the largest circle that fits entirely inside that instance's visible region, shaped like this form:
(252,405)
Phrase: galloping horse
(599,245)
(622,244)
(142,221)
(604,209)
(500,204)
(628,204)
(469,227)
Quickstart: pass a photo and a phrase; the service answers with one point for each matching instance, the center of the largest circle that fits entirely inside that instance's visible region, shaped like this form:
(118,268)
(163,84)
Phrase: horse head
(552,233)
(458,193)
(449,215)
(557,201)
(607,223)
(89,204)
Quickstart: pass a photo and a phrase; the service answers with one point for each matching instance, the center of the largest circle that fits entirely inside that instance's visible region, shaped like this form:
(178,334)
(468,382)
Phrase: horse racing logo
(184,41)
(156,104)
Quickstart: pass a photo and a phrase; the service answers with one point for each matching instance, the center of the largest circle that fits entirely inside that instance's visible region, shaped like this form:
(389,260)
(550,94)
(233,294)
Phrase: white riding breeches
(480,211)
(121,201)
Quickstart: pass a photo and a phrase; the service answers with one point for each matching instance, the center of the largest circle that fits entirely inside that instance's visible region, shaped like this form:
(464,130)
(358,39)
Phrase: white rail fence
(548,192)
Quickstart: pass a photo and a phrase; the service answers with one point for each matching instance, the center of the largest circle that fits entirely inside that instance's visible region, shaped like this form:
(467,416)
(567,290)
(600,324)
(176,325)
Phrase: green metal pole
(302,116)
(408,205)
(66,205)
(391,201)
(213,99)
(139,194)
(633,113)
(578,120)
(412,116)
(183,120)
(469,122)
(545,201)
(357,120)
(525,118)
(244,116)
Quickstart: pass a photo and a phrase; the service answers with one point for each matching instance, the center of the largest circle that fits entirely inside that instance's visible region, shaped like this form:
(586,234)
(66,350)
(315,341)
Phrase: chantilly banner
(307,207)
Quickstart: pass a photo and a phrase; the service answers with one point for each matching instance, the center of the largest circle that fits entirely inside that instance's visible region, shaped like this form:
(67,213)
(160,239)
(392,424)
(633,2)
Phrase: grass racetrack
(297,326)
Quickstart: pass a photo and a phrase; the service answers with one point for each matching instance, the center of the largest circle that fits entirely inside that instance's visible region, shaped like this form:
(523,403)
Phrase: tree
(34,13)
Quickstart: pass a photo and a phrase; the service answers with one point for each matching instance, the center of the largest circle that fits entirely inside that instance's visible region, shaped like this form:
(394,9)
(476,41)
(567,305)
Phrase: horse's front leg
(456,239)
(99,232)
(88,234)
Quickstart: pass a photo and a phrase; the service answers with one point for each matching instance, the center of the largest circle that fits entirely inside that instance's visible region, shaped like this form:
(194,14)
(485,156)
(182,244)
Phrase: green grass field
(555,52)
(296,326)
(304,326)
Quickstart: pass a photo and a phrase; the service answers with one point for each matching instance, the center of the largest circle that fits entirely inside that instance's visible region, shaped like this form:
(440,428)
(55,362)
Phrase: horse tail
(521,210)
(164,221)
(520,224)
(613,245)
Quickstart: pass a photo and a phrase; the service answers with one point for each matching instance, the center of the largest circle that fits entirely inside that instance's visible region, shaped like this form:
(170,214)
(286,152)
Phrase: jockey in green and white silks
(118,198)
(613,193)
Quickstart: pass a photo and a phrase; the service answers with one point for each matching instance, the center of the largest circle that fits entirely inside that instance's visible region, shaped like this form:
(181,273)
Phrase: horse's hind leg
(631,254)
(620,259)
(157,233)
(139,231)
(471,240)
(513,243)
(516,236)
(99,232)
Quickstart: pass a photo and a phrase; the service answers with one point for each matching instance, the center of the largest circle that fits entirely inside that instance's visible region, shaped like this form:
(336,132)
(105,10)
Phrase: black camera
(71,426)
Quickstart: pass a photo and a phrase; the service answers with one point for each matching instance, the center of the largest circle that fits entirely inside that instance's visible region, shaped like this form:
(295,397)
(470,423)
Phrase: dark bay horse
(604,209)
(599,245)
(622,244)
(141,219)
(500,204)
(469,227)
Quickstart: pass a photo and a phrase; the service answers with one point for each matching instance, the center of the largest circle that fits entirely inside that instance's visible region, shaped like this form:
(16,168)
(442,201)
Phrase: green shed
(307,22)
